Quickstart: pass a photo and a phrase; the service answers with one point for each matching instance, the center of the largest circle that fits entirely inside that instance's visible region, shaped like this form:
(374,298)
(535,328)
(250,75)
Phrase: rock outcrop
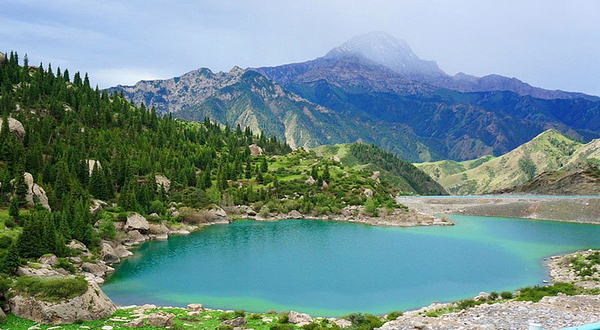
(109,255)
(136,221)
(162,180)
(255,150)
(15,127)
(299,319)
(35,193)
(91,305)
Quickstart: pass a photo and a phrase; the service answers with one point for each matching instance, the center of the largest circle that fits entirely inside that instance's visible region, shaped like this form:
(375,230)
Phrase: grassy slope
(548,151)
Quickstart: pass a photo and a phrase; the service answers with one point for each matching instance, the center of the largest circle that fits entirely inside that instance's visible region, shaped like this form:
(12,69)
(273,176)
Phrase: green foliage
(536,293)
(65,264)
(284,326)
(506,295)
(107,228)
(51,288)
(394,315)
(528,167)
(362,321)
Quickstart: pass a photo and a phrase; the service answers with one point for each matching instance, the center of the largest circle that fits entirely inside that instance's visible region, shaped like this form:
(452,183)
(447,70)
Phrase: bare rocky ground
(551,313)
(584,209)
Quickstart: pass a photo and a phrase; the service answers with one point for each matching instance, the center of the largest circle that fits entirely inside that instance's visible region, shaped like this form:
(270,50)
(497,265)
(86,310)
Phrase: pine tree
(20,187)
(248,170)
(264,167)
(11,261)
(13,211)
(326,173)
(98,183)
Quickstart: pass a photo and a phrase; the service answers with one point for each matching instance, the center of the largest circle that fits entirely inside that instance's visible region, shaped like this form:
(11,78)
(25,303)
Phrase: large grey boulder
(136,221)
(299,319)
(35,193)
(236,322)
(162,180)
(109,255)
(160,319)
(91,305)
(134,237)
(122,252)
(158,229)
(15,127)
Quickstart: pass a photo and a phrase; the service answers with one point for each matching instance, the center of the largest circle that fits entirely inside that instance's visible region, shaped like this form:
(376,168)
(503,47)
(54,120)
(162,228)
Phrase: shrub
(536,293)
(10,223)
(364,321)
(494,295)
(122,216)
(394,315)
(107,228)
(226,316)
(284,317)
(5,242)
(255,317)
(51,288)
(240,313)
(506,295)
(65,264)
(285,326)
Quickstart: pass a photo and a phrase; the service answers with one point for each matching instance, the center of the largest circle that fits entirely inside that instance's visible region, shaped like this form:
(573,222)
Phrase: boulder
(48,260)
(109,255)
(97,205)
(42,271)
(77,246)
(35,193)
(342,323)
(91,163)
(376,175)
(2,315)
(136,323)
(310,180)
(160,319)
(136,221)
(294,214)
(91,305)
(158,229)
(134,237)
(237,322)
(122,252)
(175,214)
(15,127)
(368,193)
(255,150)
(299,319)
(162,180)
(96,269)
(195,307)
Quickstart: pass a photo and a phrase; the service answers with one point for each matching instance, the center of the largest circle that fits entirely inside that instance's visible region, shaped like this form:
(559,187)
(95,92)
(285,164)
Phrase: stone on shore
(136,221)
(299,319)
(109,255)
(160,319)
(91,305)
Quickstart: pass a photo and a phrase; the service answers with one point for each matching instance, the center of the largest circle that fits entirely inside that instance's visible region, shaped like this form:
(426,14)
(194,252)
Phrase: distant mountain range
(373,88)
(539,158)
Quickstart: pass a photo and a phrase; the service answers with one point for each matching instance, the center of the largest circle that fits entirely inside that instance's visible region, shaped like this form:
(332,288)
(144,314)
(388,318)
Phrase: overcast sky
(547,43)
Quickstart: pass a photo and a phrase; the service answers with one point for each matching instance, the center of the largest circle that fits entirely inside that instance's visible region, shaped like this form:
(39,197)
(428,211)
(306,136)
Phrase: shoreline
(575,209)
(159,231)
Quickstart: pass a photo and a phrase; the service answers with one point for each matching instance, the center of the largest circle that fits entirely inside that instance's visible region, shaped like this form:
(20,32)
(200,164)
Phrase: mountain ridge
(548,151)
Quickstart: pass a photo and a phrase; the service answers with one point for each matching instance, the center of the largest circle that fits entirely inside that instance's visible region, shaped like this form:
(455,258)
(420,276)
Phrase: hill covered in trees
(64,146)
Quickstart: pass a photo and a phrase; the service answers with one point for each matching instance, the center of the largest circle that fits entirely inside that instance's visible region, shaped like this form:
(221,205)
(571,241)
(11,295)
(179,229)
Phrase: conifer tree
(98,183)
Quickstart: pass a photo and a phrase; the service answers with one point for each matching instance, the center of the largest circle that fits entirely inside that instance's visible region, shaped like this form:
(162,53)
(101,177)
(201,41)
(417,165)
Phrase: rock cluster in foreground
(550,313)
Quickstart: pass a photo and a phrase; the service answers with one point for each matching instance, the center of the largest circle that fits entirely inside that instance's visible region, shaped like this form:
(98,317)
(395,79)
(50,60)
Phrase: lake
(328,268)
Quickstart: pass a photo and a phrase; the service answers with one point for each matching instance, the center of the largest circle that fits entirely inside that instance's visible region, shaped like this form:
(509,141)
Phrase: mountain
(549,151)
(374,89)
(380,80)
(580,181)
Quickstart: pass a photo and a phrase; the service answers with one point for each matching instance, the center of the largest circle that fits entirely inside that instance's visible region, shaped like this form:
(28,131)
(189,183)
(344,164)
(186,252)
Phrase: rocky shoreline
(137,229)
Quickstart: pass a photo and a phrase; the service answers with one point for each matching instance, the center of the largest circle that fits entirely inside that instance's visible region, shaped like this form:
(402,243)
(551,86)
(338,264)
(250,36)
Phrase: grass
(51,289)
(207,320)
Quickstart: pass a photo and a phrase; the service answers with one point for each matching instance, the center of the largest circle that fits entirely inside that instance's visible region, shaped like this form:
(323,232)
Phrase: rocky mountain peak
(383,48)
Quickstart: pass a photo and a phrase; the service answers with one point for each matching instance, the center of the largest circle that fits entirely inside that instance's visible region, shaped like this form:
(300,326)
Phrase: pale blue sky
(548,43)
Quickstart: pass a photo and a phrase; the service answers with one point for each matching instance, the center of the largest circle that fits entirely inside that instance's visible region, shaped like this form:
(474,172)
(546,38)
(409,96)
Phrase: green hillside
(548,151)
(71,144)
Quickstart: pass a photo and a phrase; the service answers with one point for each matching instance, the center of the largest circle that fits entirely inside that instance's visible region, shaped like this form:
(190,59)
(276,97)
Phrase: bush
(494,295)
(285,326)
(394,315)
(65,264)
(506,295)
(10,223)
(284,317)
(107,228)
(122,216)
(536,293)
(240,313)
(5,242)
(364,321)
(157,207)
(51,288)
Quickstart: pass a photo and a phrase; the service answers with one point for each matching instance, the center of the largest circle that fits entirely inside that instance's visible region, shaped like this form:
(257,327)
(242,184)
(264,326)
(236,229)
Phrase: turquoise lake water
(328,268)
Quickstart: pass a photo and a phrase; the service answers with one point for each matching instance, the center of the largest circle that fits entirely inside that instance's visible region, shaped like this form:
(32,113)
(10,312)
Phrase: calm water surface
(333,268)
